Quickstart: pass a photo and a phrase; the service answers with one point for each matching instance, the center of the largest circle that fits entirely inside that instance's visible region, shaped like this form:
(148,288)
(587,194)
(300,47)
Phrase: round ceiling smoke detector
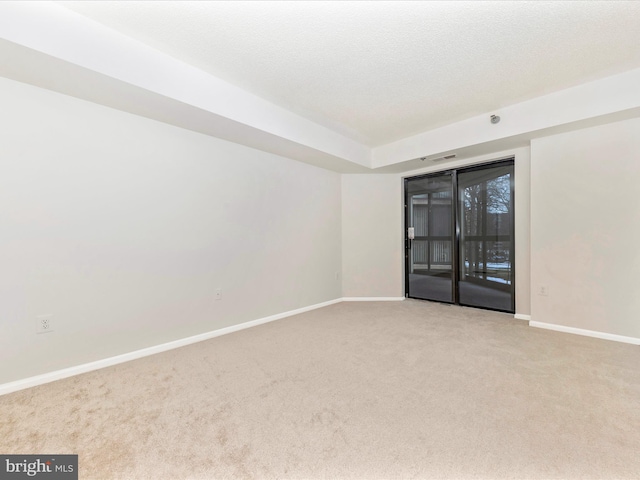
(495,119)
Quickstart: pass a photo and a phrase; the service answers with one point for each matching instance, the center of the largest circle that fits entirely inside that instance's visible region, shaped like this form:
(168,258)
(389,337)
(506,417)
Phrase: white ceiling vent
(441,159)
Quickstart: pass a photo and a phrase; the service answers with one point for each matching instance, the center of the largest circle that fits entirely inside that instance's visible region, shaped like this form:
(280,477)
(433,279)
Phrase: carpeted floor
(355,390)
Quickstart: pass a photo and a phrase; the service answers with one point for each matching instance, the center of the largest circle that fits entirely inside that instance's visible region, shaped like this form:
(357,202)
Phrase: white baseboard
(372,299)
(126,357)
(522,316)
(586,333)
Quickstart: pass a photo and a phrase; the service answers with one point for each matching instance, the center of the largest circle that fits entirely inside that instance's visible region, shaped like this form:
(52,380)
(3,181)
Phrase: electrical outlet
(44,323)
(543,290)
(218,293)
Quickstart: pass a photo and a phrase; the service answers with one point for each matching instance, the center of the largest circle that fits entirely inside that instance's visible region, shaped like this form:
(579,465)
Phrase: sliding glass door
(461,251)
(430,237)
(485,203)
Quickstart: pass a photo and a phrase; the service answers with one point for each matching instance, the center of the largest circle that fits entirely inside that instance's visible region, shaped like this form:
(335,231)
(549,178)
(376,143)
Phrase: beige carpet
(355,390)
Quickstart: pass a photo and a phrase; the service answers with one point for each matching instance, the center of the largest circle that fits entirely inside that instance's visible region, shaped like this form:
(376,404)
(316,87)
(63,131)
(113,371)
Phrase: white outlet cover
(44,323)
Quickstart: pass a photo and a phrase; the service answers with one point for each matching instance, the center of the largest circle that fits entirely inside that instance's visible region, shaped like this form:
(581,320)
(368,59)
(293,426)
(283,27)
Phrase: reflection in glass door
(461,251)
(430,239)
(485,197)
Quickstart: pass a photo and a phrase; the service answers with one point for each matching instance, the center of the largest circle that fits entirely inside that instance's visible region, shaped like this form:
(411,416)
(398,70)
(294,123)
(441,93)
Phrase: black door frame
(456,229)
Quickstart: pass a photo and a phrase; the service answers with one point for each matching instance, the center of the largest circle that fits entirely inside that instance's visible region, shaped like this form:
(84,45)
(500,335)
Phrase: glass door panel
(430,237)
(485,206)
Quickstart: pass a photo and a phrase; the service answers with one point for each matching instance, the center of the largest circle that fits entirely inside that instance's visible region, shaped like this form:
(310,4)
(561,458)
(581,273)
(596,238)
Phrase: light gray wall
(123,227)
(522,230)
(372,248)
(585,228)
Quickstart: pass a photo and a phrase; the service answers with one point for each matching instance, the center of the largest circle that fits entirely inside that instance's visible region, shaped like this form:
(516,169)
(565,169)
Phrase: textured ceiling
(382,71)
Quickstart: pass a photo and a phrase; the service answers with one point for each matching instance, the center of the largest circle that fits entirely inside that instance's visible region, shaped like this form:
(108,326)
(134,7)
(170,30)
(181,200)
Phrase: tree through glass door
(486,239)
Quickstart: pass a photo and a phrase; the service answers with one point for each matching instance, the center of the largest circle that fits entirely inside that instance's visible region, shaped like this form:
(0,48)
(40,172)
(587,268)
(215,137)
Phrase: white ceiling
(383,71)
